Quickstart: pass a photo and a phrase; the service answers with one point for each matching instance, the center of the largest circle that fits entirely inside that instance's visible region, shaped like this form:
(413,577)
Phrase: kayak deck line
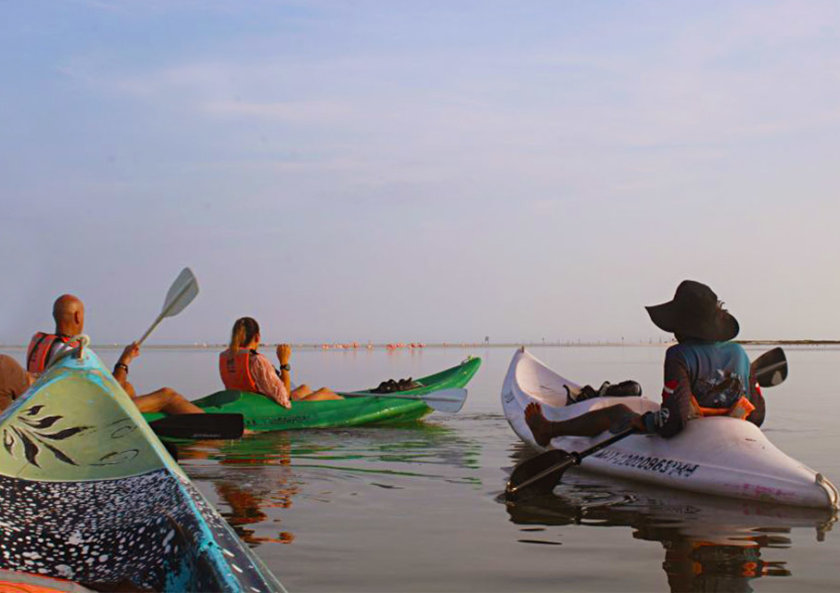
(89,494)
(721,456)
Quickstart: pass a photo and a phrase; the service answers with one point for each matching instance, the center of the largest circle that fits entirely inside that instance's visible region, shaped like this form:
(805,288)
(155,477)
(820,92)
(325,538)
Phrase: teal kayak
(359,407)
(89,495)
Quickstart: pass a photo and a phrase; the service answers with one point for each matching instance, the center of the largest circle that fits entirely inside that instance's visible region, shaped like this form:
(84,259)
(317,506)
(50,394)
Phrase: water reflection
(710,543)
(259,476)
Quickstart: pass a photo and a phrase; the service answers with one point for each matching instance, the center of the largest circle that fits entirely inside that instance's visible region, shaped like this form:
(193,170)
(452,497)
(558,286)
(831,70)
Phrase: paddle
(199,426)
(190,426)
(181,293)
(171,449)
(770,368)
(543,471)
(444,400)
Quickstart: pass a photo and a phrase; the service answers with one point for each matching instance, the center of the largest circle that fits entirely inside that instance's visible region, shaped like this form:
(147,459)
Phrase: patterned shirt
(267,380)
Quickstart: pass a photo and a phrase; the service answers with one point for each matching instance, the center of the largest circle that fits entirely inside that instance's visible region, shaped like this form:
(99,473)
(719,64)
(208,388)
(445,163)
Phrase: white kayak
(720,455)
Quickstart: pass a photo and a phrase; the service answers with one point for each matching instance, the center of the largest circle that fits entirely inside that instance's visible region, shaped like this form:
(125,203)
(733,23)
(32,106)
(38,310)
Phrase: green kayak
(89,495)
(359,407)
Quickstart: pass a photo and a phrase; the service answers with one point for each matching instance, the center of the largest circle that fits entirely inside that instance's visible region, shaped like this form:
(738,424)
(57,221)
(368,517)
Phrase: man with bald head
(44,348)
(69,316)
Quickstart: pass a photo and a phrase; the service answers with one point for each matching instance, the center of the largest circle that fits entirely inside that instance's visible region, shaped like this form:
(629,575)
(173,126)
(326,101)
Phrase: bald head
(69,315)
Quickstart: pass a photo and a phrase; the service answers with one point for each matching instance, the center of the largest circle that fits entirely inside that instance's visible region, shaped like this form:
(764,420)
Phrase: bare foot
(538,424)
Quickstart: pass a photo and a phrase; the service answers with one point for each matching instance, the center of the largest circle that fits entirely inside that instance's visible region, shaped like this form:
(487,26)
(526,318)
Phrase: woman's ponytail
(243,332)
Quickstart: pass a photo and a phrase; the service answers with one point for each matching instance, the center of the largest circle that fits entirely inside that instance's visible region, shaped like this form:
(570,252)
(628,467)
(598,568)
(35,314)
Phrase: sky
(419,171)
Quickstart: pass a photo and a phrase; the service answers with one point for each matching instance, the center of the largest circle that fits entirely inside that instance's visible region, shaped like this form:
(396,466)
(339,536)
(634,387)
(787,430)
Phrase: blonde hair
(243,332)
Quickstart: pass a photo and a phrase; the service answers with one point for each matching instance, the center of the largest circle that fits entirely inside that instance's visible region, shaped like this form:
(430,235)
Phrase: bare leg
(588,425)
(300,392)
(166,400)
(304,393)
(322,394)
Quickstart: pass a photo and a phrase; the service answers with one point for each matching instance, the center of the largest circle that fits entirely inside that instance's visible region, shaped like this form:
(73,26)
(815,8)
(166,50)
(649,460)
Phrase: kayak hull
(262,414)
(88,494)
(721,456)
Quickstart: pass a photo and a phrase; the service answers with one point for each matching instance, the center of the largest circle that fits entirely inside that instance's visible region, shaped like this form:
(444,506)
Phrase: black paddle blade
(538,474)
(770,368)
(200,426)
(171,449)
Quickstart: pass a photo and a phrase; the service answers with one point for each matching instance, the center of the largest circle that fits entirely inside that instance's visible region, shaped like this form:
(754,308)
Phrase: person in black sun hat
(706,374)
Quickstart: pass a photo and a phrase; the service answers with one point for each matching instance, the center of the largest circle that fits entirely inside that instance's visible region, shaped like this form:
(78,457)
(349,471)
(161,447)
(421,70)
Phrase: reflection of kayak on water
(268,472)
(711,543)
(262,414)
(88,494)
(421,444)
(609,502)
(718,455)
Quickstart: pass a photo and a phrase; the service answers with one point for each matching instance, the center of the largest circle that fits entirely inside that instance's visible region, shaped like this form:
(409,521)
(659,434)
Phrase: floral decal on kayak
(36,430)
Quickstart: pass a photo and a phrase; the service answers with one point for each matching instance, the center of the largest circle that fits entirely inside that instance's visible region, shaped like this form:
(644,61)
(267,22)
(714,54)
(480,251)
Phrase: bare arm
(267,382)
(130,352)
(284,355)
(757,399)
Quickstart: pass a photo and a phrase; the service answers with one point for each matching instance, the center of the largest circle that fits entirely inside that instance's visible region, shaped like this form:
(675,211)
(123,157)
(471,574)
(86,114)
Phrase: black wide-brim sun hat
(695,312)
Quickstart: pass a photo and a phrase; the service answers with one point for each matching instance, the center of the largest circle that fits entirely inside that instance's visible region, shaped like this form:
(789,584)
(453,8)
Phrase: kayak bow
(89,494)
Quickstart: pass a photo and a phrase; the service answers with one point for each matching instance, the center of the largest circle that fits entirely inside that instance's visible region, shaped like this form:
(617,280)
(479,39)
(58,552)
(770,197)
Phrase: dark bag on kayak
(624,389)
(391,386)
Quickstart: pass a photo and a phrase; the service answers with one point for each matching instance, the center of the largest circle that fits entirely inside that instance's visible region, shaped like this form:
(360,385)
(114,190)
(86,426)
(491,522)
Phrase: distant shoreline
(439,345)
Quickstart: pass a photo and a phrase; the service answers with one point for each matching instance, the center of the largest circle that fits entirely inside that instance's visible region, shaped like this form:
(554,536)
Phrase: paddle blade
(539,473)
(171,449)
(181,293)
(770,368)
(449,401)
(199,426)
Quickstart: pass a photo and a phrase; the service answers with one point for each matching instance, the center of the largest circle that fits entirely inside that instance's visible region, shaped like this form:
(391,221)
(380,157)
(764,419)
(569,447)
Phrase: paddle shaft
(443,400)
(150,330)
(574,459)
(441,394)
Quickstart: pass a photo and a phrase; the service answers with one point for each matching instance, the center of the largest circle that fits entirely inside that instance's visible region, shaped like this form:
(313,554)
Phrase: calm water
(416,508)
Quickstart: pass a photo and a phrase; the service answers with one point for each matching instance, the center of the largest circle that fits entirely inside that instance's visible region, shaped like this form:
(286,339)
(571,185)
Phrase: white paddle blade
(449,401)
(181,293)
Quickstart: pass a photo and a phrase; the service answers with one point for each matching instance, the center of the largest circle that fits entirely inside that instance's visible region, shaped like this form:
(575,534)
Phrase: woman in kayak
(242,368)
(705,374)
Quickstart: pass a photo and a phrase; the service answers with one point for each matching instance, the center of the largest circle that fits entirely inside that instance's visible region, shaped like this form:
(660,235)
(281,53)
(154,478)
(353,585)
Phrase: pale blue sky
(419,170)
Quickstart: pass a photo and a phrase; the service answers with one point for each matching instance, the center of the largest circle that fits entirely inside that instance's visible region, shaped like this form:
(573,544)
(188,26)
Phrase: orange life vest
(740,409)
(40,348)
(235,370)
